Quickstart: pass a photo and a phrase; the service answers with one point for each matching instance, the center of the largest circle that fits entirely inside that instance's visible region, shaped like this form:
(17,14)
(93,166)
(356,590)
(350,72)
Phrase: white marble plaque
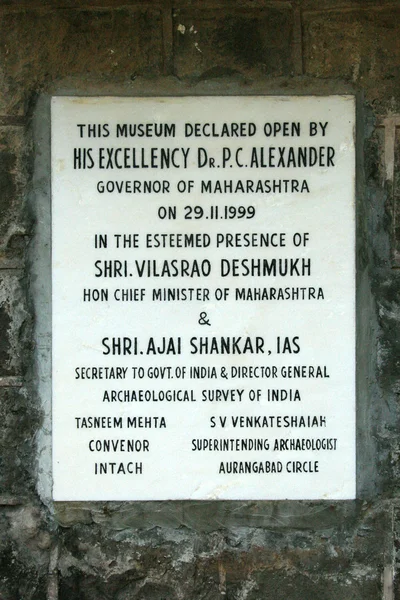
(203,298)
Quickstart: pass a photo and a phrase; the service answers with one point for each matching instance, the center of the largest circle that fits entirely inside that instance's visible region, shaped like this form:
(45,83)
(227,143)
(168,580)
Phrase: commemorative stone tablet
(203,303)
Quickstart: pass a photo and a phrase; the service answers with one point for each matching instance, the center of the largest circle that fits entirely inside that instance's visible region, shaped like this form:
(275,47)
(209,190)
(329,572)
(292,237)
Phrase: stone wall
(196,550)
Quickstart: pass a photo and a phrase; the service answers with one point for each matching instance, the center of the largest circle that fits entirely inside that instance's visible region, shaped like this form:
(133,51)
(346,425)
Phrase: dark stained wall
(200,550)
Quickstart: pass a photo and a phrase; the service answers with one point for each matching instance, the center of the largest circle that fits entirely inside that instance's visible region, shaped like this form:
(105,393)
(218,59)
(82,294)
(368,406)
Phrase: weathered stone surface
(17,580)
(23,560)
(209,516)
(238,563)
(386,426)
(356,45)
(377,412)
(229,4)
(18,423)
(14,169)
(395,208)
(15,324)
(48,44)
(332,5)
(219,42)
(23,4)
(396,554)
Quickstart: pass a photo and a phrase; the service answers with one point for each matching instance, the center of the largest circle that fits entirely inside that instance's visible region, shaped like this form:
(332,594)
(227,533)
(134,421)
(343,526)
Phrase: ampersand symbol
(203,319)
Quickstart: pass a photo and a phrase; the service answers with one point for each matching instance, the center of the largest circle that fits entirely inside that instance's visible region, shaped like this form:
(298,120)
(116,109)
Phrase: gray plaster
(40,288)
